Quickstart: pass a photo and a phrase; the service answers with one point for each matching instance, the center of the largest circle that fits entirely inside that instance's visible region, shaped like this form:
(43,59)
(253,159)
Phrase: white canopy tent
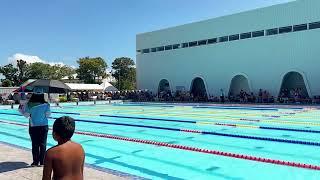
(107,86)
(84,87)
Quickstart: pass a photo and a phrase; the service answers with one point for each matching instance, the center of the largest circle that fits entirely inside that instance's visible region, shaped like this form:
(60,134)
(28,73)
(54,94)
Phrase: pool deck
(14,164)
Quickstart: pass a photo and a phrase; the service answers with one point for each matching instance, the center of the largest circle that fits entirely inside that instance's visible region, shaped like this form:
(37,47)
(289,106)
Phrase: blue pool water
(287,134)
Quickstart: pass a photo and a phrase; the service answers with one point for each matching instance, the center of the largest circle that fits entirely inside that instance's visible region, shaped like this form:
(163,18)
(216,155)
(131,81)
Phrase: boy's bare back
(66,161)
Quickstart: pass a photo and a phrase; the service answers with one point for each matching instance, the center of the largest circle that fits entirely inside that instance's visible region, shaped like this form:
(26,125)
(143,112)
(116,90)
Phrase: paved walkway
(14,165)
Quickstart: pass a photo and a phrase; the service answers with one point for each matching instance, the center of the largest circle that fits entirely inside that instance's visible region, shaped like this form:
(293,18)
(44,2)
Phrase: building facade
(271,48)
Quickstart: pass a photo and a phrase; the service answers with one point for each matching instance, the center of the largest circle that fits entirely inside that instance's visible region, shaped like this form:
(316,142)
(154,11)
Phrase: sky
(61,31)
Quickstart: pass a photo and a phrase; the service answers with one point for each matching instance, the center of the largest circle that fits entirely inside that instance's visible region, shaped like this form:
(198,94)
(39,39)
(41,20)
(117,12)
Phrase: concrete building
(272,48)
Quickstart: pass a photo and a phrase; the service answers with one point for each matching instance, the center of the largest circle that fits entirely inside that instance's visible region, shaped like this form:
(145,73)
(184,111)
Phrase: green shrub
(74,99)
(63,99)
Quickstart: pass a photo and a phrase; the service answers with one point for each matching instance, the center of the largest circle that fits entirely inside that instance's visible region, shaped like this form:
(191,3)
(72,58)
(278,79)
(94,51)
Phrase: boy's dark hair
(64,127)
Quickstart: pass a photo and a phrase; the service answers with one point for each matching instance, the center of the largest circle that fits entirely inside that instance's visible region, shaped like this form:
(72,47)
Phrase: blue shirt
(39,115)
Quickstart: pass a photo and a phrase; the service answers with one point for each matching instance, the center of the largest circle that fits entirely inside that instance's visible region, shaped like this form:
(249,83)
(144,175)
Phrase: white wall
(265,60)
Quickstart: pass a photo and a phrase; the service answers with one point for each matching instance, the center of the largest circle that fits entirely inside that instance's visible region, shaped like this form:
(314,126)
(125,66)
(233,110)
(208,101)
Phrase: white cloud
(30,59)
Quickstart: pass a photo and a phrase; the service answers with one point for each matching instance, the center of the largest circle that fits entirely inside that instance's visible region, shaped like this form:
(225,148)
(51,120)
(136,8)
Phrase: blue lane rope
(146,118)
(131,117)
(185,121)
(65,113)
(201,132)
(289,129)
(148,105)
(215,105)
(238,108)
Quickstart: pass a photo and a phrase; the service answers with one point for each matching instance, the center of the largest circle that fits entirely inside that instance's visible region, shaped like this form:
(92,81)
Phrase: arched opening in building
(293,86)
(164,90)
(239,83)
(198,89)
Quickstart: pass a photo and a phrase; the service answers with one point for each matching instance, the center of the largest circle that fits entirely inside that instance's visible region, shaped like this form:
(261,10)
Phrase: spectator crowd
(263,96)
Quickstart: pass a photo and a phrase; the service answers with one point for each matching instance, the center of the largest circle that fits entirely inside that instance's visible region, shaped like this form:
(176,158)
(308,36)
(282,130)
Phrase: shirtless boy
(65,160)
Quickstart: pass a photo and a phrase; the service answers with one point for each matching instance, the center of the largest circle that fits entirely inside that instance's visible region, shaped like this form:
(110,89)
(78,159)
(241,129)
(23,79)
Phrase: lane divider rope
(194,149)
(236,108)
(207,151)
(205,132)
(192,121)
(219,124)
(261,127)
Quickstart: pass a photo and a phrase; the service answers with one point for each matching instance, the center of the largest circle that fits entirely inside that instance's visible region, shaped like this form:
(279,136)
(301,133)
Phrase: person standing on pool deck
(66,159)
(38,111)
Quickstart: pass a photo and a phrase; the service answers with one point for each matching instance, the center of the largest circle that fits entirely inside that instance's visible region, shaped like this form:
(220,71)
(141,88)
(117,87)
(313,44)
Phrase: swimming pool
(177,141)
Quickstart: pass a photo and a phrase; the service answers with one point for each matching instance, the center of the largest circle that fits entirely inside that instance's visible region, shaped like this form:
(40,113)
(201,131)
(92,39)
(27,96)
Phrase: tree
(6,83)
(40,70)
(17,75)
(58,72)
(91,70)
(22,67)
(124,72)
(10,73)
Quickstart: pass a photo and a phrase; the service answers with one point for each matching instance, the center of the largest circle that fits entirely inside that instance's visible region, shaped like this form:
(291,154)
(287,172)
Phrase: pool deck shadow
(14,164)
(11,166)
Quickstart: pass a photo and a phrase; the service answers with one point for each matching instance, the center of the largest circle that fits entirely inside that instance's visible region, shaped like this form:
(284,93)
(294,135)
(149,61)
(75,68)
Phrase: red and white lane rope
(188,148)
